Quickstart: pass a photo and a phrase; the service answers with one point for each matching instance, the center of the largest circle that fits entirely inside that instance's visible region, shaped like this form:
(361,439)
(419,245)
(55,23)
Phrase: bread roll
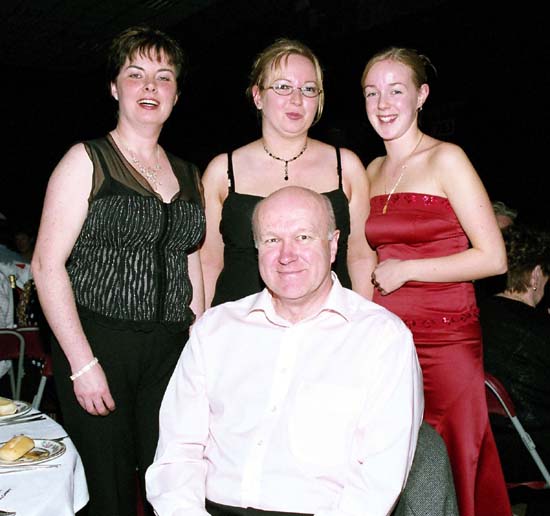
(7,407)
(16,447)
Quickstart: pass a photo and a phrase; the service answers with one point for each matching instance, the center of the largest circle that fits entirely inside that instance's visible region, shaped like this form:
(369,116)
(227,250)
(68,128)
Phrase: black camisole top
(240,276)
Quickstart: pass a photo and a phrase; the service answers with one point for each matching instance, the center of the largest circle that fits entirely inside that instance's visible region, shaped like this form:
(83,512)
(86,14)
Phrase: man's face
(294,251)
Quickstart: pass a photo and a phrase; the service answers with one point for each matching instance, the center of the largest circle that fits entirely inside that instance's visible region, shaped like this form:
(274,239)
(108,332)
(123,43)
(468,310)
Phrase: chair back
(500,402)
(12,347)
(429,489)
(39,354)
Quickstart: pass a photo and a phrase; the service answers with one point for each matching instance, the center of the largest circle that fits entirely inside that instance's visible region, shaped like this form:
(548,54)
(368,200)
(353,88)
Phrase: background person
(434,231)
(11,264)
(312,405)
(116,271)
(24,240)
(516,349)
(286,86)
(505,215)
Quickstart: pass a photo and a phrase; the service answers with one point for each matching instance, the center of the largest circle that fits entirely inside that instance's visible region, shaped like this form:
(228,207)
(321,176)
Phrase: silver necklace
(403,168)
(286,161)
(148,173)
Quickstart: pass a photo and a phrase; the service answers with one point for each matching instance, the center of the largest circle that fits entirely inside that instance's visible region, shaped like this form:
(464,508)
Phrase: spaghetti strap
(339,167)
(230,176)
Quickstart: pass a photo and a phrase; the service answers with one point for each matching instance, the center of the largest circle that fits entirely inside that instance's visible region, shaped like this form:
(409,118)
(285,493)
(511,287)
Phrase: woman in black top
(117,271)
(286,88)
(516,342)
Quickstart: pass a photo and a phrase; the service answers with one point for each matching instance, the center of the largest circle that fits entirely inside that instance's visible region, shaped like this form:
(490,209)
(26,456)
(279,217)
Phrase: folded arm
(487,255)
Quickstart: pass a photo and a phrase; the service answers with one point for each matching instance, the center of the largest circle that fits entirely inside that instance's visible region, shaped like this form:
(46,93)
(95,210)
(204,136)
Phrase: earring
(420,109)
(534,288)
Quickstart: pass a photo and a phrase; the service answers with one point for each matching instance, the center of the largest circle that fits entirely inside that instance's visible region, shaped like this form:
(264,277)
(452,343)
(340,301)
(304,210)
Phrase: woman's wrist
(406,267)
(84,369)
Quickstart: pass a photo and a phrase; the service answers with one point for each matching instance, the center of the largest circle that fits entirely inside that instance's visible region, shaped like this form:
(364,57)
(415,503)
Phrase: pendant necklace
(148,173)
(403,168)
(286,161)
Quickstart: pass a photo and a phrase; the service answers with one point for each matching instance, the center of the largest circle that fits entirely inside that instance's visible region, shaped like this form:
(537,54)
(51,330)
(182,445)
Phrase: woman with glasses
(286,87)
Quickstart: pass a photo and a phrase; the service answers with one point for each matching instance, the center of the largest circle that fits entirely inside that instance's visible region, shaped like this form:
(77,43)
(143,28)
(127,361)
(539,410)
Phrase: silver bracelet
(84,369)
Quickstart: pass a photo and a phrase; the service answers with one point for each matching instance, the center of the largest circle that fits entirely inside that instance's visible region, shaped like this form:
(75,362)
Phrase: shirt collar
(335,303)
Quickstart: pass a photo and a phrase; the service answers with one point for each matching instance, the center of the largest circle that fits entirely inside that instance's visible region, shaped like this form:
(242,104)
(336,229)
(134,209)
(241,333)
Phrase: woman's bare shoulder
(74,163)
(373,168)
(442,152)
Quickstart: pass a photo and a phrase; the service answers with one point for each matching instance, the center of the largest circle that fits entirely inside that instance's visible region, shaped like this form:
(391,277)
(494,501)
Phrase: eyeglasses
(309,90)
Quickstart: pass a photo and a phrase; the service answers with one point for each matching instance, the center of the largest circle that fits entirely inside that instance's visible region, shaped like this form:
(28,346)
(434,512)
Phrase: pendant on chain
(286,161)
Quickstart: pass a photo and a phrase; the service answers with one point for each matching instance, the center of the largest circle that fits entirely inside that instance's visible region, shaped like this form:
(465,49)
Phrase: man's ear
(334,245)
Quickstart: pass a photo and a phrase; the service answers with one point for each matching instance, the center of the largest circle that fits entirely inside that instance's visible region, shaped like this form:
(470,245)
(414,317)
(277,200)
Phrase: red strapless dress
(443,318)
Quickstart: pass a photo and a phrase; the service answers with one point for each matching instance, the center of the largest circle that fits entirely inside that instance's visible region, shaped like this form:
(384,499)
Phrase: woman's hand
(92,392)
(388,276)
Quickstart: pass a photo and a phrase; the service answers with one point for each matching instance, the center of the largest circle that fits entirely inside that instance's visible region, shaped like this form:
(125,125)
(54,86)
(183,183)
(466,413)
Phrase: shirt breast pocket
(322,422)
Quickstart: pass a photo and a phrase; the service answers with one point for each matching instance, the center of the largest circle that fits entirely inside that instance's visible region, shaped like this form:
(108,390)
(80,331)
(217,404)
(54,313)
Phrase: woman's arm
(469,200)
(65,209)
(195,275)
(361,258)
(214,181)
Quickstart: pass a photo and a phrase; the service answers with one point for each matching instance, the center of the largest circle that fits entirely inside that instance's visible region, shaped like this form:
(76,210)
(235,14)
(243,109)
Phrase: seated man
(304,398)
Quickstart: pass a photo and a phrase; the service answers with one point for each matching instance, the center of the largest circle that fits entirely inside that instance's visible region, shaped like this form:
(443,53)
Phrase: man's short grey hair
(323,199)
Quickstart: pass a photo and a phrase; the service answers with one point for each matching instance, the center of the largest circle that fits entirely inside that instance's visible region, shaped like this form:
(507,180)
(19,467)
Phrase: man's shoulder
(364,309)
(229,311)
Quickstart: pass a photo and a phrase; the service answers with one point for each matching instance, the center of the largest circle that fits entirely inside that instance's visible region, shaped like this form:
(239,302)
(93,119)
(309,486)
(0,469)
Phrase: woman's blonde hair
(418,63)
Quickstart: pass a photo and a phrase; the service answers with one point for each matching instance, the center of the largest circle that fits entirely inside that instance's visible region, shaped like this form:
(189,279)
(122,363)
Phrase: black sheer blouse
(129,263)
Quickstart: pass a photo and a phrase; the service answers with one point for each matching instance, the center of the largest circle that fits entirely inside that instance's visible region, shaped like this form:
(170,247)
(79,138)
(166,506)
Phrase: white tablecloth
(60,491)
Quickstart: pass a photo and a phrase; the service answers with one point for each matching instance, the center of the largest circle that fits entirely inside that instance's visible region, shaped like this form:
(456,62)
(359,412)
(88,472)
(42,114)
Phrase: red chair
(499,402)
(39,356)
(12,347)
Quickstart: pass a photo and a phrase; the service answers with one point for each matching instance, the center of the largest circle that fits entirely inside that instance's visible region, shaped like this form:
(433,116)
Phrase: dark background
(490,96)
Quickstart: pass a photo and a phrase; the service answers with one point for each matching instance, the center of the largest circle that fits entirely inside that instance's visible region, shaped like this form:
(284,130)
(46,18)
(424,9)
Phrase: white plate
(22,408)
(47,449)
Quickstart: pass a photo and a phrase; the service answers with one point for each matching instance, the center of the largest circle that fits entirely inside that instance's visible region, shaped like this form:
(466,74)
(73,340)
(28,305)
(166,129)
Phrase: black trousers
(116,448)
(217,509)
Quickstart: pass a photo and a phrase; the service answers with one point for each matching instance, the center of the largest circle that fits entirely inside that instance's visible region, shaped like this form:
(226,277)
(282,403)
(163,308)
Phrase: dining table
(50,481)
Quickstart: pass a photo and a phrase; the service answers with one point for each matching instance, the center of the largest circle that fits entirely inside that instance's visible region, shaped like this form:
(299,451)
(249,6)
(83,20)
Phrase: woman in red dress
(434,231)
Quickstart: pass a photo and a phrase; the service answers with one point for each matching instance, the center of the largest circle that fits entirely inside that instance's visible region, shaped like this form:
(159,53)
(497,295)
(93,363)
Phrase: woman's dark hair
(526,247)
(148,42)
